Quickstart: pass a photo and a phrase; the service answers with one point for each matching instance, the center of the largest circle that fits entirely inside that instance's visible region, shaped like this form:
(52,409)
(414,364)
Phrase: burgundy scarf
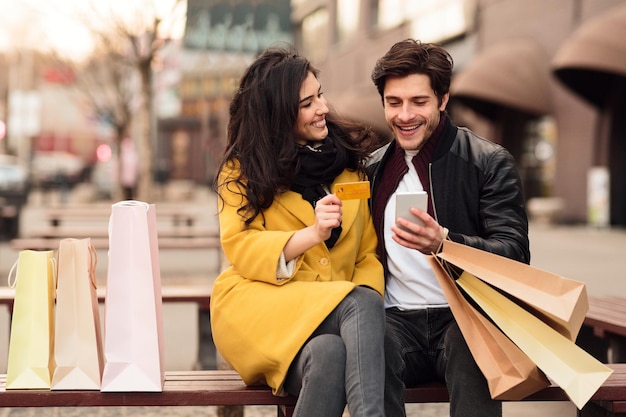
(394,169)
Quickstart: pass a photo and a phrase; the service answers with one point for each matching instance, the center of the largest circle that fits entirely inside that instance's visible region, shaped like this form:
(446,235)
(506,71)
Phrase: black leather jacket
(476,192)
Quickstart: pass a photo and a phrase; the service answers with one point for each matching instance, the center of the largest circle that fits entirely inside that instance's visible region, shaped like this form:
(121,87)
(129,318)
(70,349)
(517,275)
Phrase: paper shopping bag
(133,325)
(578,373)
(560,302)
(31,350)
(78,340)
(510,374)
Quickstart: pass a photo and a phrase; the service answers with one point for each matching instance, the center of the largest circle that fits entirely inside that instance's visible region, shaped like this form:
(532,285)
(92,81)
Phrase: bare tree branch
(136,42)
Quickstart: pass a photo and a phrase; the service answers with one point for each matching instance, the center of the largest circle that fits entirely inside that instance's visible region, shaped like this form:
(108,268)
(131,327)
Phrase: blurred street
(594,256)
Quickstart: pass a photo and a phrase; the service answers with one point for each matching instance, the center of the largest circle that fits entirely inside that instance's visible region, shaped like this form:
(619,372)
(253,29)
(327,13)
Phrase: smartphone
(406,200)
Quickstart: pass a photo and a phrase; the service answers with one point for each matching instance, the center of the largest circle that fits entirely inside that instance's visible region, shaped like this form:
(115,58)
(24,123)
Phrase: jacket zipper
(432,190)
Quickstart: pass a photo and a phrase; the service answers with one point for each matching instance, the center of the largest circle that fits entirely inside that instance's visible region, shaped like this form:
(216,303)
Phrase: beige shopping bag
(574,370)
(133,324)
(31,350)
(78,340)
(559,301)
(510,373)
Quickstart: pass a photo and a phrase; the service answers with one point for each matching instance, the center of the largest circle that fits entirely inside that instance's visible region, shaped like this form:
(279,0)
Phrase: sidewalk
(594,256)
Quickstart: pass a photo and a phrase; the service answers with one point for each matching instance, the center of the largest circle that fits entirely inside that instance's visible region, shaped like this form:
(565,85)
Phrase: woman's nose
(322,108)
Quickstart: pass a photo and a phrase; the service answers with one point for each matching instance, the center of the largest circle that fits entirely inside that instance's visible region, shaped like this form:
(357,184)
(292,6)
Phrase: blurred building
(191,134)
(544,78)
(50,129)
(200,74)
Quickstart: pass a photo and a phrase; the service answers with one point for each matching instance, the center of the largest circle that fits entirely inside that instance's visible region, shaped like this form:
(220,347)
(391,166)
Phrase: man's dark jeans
(425,346)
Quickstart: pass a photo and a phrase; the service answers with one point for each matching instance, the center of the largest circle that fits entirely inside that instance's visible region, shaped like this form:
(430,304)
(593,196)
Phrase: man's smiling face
(412,109)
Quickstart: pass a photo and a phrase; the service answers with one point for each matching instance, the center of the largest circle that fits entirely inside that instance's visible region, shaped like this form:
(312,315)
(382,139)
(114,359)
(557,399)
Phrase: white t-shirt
(411,283)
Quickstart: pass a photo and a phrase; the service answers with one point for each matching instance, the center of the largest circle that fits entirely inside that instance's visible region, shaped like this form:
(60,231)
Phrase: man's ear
(444,101)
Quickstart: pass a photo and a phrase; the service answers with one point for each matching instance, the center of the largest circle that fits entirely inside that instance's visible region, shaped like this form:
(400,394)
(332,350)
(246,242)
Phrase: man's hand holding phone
(430,234)
(406,200)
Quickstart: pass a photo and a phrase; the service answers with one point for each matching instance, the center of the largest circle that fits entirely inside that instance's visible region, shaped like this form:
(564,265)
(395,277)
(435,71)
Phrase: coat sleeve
(253,251)
(368,269)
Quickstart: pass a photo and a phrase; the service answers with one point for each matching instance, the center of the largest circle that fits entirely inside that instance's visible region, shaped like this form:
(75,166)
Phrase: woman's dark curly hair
(260,136)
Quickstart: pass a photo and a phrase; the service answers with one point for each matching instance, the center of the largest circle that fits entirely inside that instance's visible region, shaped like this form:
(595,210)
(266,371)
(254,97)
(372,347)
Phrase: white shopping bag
(133,323)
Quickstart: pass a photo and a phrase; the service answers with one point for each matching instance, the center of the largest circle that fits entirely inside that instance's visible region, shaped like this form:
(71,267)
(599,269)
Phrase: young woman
(300,307)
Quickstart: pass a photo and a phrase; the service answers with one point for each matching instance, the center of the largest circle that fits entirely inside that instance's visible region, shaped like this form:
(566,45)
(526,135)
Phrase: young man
(474,197)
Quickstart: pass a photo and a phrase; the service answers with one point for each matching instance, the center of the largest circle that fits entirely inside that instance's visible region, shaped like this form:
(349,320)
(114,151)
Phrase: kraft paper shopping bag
(78,340)
(133,324)
(510,373)
(559,301)
(578,373)
(31,350)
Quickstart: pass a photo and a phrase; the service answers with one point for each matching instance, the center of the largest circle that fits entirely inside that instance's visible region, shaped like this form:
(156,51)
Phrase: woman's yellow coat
(260,324)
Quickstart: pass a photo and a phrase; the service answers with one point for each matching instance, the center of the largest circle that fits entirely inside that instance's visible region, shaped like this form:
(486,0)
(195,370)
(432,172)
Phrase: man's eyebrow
(420,97)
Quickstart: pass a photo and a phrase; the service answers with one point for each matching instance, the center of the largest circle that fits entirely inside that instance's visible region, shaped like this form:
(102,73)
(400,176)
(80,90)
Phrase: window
(348,12)
(436,20)
(315,35)
(391,13)
(430,20)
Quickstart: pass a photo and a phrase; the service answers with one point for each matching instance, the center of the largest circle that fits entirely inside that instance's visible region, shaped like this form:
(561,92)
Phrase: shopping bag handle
(55,273)
(13,272)
(127,203)
(453,272)
(132,203)
(94,261)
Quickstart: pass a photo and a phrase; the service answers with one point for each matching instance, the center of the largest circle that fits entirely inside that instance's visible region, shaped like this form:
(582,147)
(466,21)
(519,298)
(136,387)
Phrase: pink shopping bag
(133,324)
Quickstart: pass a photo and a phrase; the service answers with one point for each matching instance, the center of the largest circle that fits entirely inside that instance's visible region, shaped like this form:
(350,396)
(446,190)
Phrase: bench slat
(616,406)
(181,242)
(102,232)
(193,388)
(211,388)
(607,315)
(188,293)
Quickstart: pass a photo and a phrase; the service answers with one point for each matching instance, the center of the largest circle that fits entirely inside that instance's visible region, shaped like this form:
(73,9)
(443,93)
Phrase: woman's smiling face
(311,122)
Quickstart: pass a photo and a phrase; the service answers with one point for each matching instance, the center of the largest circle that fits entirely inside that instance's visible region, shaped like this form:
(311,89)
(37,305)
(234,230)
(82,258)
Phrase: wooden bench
(607,315)
(182,242)
(173,220)
(225,388)
(179,215)
(194,293)
(92,222)
(606,320)
(102,231)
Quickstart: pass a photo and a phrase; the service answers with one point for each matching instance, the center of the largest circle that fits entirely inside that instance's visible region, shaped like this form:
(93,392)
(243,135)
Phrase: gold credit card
(352,190)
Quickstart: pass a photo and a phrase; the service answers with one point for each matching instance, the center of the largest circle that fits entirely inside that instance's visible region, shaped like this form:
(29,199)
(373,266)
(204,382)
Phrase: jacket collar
(445,141)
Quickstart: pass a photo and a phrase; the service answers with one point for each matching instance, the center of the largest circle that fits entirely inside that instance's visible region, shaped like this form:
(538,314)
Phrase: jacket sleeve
(502,212)
(253,251)
(368,269)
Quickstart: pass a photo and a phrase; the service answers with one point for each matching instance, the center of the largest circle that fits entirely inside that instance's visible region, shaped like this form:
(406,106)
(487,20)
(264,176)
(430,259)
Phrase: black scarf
(319,166)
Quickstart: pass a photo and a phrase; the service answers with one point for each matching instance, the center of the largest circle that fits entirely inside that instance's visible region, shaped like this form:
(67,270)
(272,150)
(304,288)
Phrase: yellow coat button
(324,261)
